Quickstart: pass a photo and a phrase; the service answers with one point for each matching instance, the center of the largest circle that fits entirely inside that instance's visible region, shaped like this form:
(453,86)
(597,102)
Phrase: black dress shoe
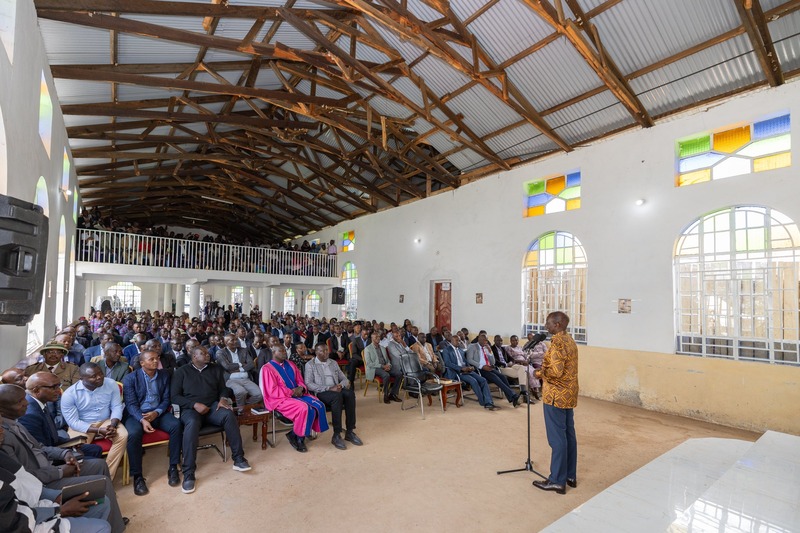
(292,438)
(515,400)
(301,445)
(385,399)
(395,398)
(139,486)
(125,520)
(547,485)
(173,476)
(351,436)
(337,441)
(572,482)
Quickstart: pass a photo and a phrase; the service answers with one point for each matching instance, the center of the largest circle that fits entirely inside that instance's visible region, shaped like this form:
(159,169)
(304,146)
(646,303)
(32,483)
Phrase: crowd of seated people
(131,246)
(180,373)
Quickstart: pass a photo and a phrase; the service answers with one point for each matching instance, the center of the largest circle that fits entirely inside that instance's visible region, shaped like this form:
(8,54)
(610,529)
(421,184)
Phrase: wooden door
(442,310)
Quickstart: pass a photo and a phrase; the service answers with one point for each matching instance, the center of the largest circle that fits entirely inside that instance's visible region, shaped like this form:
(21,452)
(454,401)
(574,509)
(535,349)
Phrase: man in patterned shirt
(559,374)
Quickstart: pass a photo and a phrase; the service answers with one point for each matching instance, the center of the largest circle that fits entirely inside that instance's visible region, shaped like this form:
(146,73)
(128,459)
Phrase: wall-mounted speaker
(23,258)
(337,298)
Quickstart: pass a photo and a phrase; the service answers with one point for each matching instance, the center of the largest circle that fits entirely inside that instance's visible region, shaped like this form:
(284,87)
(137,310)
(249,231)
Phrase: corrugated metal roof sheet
(785,34)
(466,160)
(553,74)
(637,33)
(422,11)
(136,49)
(582,109)
(595,124)
(64,42)
(505,29)
(711,72)
(439,76)
(81,92)
(523,141)
(483,112)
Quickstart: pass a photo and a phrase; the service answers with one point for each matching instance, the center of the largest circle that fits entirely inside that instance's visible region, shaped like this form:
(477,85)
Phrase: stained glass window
(42,199)
(350,286)
(736,286)
(756,147)
(348,241)
(65,175)
(45,115)
(288,301)
(554,279)
(553,194)
(313,301)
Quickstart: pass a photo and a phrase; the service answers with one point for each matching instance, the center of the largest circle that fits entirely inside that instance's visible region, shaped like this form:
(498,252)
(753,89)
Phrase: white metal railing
(98,246)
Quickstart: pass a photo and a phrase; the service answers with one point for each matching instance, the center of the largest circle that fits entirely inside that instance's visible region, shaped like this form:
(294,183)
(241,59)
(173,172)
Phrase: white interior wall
(476,236)
(26,158)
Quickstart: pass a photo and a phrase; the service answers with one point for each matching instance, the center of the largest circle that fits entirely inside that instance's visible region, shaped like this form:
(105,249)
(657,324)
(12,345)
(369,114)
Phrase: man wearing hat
(53,353)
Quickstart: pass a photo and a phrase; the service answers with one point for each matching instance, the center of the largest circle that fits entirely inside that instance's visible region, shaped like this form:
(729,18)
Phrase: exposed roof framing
(281,118)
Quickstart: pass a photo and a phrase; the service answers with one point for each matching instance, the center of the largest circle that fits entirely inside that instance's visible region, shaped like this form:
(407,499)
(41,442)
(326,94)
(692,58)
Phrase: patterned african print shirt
(560,372)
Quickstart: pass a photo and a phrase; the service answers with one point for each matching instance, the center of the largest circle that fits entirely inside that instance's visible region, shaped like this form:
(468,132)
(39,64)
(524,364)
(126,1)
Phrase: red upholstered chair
(156,438)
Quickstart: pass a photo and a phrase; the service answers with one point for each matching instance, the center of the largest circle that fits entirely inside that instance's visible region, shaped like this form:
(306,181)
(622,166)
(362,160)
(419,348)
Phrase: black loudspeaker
(23,257)
(337,298)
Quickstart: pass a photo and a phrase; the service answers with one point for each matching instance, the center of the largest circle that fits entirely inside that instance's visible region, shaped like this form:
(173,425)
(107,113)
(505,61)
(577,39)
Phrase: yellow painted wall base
(746,395)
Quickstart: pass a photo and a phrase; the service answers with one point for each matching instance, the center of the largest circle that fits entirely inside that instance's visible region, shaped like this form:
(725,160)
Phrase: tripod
(528,463)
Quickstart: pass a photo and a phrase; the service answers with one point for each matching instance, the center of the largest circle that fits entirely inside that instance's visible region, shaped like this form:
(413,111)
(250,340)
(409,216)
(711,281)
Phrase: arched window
(350,286)
(130,296)
(45,115)
(237,295)
(288,301)
(313,301)
(554,279)
(61,275)
(736,285)
(41,198)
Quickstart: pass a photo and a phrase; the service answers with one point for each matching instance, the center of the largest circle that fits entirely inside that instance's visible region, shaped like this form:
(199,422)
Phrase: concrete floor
(433,475)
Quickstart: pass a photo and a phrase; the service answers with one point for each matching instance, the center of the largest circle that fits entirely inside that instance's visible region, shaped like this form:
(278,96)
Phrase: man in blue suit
(147,407)
(97,349)
(457,368)
(132,350)
(44,388)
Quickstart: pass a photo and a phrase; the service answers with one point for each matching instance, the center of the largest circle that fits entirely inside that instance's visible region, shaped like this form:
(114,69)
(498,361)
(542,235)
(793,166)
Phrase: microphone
(539,337)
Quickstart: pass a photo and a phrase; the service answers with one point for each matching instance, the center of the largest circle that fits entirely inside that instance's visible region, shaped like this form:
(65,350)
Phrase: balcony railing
(130,249)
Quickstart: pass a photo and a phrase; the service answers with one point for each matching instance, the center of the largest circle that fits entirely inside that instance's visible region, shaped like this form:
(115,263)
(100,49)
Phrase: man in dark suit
(358,342)
(339,344)
(147,408)
(44,389)
(238,363)
(314,338)
(457,368)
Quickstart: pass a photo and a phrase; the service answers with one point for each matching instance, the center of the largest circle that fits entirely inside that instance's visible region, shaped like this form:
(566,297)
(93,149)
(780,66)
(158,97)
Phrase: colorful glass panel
(757,147)
(697,176)
(552,195)
(731,140)
(45,115)
(348,241)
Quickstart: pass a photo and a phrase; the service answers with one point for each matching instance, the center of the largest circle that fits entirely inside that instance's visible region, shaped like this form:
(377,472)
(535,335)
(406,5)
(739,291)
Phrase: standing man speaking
(559,374)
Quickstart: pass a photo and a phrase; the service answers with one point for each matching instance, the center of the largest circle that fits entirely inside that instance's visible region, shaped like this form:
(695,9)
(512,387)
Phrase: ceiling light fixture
(217,200)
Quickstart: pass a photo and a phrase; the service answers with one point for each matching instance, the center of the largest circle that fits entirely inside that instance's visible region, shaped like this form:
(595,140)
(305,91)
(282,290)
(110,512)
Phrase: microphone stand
(528,463)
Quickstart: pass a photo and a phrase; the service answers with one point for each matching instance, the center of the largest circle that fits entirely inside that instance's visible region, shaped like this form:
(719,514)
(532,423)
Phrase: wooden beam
(166,116)
(195,86)
(752,18)
(593,53)
(184,9)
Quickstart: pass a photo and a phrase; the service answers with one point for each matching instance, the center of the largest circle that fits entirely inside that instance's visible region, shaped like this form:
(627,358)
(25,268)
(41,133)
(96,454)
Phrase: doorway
(442,304)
